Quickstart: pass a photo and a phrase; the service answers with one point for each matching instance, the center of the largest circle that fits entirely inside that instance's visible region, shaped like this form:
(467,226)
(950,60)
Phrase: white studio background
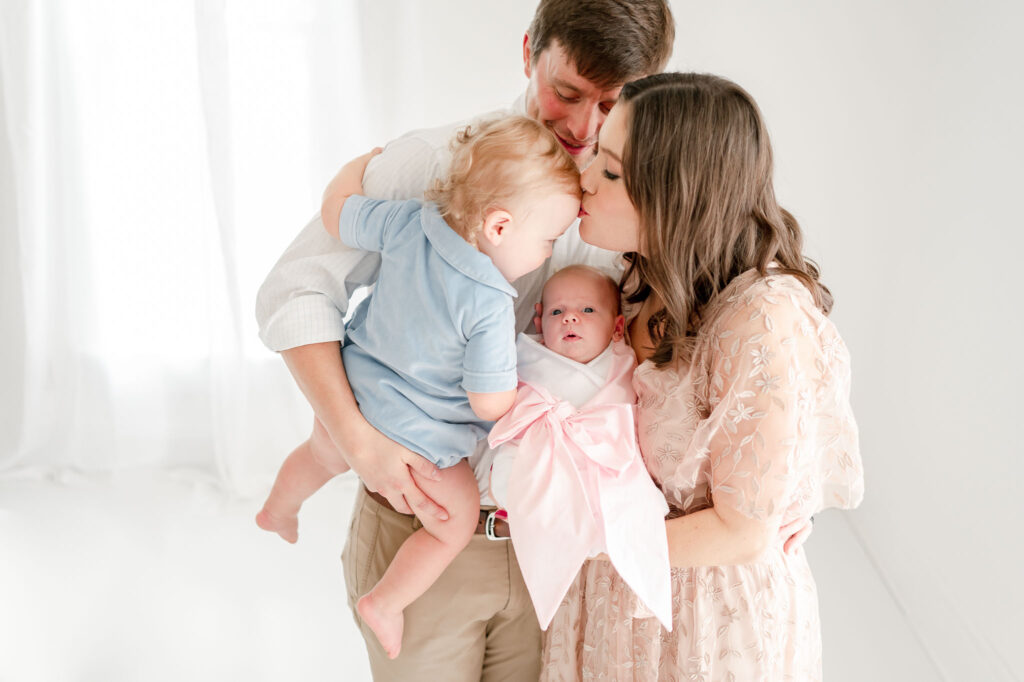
(156,159)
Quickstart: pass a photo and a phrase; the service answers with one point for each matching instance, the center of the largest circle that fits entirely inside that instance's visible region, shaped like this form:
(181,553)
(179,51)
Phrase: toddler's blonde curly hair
(499,164)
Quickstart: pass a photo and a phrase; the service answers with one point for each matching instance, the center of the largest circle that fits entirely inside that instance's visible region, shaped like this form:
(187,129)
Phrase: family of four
(656,446)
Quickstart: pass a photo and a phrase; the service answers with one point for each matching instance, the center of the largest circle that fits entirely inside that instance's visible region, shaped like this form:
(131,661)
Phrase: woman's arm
(718,537)
(755,438)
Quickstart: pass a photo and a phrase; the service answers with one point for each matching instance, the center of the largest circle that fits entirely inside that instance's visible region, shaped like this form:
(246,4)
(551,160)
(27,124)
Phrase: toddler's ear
(620,328)
(538,310)
(495,224)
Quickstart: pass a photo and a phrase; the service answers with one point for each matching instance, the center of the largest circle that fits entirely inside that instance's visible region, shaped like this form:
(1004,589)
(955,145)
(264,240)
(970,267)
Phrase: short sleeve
(369,224)
(489,365)
(757,431)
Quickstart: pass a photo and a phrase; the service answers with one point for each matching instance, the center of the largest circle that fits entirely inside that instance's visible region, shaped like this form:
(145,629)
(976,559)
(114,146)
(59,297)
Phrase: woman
(743,393)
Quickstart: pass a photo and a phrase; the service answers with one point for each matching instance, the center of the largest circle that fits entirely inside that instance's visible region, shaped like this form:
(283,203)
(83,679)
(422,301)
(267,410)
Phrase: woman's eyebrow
(612,154)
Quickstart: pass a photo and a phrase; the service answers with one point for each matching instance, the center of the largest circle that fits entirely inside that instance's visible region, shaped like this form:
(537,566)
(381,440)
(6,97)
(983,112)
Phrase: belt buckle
(489,524)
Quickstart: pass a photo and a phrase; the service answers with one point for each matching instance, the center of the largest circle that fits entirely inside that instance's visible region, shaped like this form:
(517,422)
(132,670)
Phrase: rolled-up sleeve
(305,297)
(489,365)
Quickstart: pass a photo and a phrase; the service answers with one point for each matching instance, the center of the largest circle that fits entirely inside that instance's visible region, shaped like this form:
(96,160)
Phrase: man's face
(568,104)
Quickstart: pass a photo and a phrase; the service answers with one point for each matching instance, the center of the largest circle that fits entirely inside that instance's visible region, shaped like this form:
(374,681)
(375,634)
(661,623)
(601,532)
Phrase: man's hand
(794,534)
(384,465)
(387,467)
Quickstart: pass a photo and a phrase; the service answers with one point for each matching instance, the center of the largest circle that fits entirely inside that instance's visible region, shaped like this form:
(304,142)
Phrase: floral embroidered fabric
(760,420)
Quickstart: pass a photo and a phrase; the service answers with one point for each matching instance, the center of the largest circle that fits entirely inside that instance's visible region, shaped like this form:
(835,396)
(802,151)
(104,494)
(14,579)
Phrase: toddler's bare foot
(285,526)
(386,625)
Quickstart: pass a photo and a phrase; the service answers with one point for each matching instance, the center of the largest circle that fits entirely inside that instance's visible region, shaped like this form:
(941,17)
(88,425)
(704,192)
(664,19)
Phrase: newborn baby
(567,471)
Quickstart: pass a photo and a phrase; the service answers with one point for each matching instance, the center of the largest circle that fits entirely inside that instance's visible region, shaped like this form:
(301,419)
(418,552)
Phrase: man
(476,622)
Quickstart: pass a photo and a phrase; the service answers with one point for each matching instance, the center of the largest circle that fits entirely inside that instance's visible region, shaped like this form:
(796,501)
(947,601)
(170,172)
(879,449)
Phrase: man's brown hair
(609,41)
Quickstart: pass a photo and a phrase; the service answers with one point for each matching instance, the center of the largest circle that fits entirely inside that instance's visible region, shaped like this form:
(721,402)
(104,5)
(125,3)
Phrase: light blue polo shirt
(440,322)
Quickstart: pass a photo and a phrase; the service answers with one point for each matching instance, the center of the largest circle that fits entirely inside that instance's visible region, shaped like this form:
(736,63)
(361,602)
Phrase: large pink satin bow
(578,484)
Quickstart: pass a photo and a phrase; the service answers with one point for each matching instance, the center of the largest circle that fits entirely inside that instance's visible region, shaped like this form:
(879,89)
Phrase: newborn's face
(579,315)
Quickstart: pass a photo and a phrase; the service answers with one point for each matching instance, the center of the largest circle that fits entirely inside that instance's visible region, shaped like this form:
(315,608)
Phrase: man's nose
(584,121)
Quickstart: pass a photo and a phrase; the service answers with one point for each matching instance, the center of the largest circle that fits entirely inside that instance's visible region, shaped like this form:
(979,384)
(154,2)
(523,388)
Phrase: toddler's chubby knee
(462,501)
(457,531)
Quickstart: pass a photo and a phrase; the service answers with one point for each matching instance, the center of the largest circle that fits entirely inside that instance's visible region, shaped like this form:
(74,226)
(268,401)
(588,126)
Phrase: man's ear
(620,328)
(538,311)
(526,54)
(496,223)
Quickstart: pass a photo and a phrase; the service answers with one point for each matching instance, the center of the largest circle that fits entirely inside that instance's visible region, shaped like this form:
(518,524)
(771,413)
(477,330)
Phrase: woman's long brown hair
(697,165)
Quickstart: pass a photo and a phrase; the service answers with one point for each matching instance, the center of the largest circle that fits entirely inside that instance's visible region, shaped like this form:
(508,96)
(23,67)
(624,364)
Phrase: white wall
(899,146)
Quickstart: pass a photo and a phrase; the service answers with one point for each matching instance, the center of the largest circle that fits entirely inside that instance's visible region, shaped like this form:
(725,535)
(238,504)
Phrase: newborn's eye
(556,311)
(588,309)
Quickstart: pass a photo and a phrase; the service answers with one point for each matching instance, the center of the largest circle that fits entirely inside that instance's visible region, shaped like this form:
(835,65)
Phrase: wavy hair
(697,166)
(496,164)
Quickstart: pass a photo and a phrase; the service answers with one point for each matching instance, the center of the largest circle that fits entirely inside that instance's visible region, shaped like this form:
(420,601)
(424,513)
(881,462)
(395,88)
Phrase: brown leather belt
(492,525)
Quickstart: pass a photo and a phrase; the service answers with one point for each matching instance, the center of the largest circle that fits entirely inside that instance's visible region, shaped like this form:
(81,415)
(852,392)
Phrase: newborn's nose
(570,318)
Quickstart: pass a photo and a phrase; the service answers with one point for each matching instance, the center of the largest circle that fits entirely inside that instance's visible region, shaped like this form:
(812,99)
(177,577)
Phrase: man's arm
(380,462)
(316,277)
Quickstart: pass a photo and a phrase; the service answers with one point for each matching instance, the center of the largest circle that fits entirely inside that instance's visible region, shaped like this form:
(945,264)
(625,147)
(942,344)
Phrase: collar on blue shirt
(458,253)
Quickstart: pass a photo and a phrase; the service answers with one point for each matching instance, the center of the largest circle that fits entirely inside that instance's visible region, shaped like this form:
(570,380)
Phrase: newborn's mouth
(572,336)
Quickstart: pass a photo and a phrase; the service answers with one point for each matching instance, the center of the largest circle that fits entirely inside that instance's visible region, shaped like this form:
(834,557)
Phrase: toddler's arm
(491,406)
(347,182)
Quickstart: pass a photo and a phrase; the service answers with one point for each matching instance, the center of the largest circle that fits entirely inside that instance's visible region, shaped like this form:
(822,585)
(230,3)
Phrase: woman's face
(608,218)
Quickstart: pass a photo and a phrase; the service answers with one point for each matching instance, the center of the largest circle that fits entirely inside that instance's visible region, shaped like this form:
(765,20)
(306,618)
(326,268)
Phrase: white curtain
(156,157)
(155,160)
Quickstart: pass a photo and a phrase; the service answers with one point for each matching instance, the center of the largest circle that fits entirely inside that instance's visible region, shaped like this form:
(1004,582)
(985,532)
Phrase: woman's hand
(794,534)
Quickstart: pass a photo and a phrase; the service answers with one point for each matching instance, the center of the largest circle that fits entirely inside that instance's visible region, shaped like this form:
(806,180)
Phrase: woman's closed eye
(608,174)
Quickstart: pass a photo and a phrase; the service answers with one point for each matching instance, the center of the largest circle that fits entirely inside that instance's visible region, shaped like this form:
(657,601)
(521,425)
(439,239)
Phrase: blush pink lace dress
(760,420)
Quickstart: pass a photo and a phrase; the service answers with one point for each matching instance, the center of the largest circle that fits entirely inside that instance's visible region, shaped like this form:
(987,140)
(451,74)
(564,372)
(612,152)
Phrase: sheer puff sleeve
(780,439)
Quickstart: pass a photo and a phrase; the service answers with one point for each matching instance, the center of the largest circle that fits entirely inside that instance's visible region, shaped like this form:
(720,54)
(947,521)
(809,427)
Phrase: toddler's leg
(423,557)
(301,475)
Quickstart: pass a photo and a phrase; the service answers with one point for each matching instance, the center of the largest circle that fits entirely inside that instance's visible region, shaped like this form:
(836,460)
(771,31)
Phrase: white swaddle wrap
(569,472)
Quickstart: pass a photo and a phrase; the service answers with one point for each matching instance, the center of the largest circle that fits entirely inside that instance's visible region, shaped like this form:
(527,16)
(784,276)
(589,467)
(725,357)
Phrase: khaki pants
(475,623)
